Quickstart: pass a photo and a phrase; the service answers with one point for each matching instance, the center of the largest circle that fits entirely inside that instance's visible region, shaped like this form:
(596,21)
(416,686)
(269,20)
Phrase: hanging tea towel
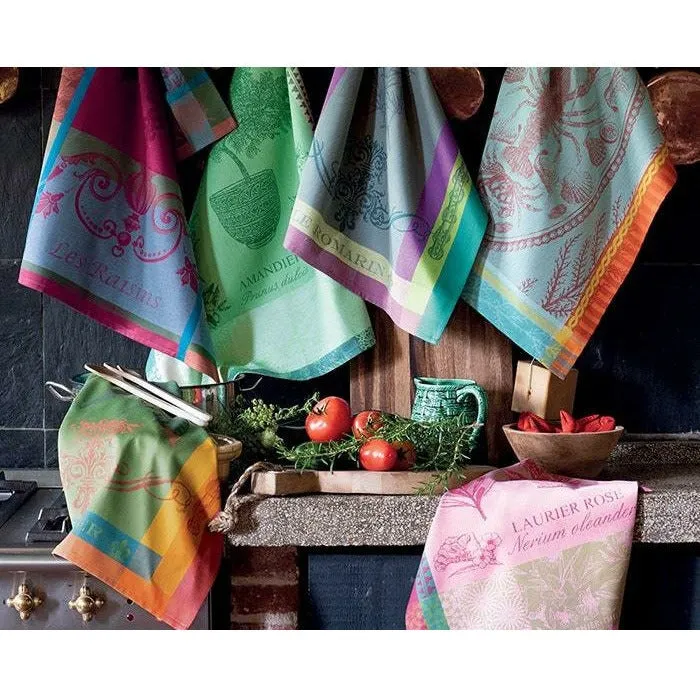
(573,172)
(519,548)
(268,311)
(201,116)
(386,205)
(141,488)
(108,234)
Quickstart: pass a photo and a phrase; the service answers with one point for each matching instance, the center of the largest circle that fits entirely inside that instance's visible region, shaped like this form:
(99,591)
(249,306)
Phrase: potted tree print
(249,209)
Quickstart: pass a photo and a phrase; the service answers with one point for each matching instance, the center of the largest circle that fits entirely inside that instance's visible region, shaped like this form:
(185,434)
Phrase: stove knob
(87,603)
(25,602)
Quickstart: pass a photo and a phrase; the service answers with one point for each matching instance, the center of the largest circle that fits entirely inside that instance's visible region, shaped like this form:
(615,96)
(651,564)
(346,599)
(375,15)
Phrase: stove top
(13,494)
(53,523)
(33,510)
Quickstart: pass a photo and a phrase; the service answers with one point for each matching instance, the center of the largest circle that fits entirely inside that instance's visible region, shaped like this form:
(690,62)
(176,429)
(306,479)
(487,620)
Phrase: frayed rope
(226,520)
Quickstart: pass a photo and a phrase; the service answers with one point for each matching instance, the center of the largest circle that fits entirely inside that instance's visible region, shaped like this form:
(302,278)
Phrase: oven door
(39,588)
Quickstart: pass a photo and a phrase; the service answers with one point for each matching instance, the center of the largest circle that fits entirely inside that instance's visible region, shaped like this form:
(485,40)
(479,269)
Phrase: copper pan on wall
(461,90)
(676,99)
(9,79)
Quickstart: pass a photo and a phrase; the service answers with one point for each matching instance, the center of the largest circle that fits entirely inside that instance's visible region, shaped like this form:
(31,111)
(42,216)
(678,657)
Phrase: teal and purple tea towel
(573,172)
(267,310)
(386,206)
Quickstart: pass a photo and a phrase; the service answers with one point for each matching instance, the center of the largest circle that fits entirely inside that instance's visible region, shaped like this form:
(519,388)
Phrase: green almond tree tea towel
(267,310)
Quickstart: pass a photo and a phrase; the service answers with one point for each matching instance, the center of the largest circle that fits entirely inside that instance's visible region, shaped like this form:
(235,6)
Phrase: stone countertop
(668,509)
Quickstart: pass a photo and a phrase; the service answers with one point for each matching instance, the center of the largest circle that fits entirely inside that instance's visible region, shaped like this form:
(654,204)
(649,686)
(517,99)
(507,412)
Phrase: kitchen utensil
(171,404)
(676,99)
(131,376)
(446,398)
(461,90)
(581,455)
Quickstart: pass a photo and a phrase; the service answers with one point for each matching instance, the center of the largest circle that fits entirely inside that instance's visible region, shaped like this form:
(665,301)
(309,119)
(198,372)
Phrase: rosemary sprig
(315,455)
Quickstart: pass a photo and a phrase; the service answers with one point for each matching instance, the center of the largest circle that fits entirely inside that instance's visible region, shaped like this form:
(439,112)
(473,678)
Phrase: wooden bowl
(581,455)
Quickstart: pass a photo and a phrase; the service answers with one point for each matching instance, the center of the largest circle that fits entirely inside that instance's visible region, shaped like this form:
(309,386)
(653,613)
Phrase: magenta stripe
(110,316)
(430,201)
(338,73)
(366,287)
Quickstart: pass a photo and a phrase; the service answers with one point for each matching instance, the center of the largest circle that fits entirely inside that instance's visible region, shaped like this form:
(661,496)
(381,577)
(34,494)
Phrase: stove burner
(12,495)
(53,523)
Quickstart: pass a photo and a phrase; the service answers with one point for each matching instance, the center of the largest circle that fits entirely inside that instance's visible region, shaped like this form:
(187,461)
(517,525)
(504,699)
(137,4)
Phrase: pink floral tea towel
(519,548)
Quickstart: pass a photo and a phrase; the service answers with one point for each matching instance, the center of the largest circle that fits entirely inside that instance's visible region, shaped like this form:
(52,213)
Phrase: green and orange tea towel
(141,488)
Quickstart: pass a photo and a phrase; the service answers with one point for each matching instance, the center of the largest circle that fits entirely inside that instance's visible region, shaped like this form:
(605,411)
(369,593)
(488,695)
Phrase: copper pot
(461,90)
(9,79)
(676,99)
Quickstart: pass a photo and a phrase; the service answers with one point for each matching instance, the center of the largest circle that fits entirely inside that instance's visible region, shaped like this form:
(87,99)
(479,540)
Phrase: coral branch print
(572,271)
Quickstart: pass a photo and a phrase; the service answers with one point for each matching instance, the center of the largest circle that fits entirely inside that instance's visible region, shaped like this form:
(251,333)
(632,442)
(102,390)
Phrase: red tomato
(366,423)
(378,456)
(329,419)
(406,455)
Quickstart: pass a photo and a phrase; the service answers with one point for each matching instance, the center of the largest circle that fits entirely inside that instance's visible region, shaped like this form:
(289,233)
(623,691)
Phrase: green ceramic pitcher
(445,398)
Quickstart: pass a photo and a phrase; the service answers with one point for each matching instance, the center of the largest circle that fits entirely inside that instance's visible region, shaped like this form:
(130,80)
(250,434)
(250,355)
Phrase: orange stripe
(615,264)
(183,549)
(109,571)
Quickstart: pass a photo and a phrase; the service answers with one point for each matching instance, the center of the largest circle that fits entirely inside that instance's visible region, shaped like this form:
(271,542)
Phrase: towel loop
(226,520)
(529,380)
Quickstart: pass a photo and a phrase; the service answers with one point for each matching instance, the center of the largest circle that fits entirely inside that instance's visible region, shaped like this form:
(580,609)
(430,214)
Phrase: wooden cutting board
(290,482)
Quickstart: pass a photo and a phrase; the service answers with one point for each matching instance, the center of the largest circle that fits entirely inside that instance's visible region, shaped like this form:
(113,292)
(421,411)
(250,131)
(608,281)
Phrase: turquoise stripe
(460,259)
(190,328)
(479,294)
(332,360)
(428,597)
(63,129)
(433,614)
(117,545)
(188,87)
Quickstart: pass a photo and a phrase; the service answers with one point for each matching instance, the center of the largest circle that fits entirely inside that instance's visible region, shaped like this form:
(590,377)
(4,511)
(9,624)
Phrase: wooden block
(539,391)
(290,482)
(380,378)
(471,348)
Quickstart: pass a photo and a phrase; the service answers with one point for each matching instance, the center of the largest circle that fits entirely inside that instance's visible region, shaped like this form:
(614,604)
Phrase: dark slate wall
(640,365)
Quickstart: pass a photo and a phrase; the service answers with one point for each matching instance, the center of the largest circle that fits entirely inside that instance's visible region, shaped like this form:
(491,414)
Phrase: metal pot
(212,398)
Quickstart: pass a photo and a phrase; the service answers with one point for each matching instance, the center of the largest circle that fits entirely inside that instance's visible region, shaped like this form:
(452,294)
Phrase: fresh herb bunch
(322,455)
(255,423)
(444,446)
